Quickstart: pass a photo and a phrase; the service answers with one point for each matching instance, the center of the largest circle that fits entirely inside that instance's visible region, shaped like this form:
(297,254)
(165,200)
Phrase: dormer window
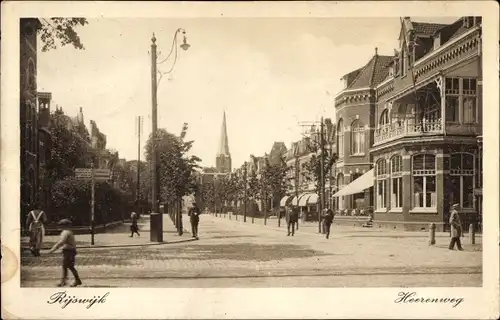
(468,22)
(345,82)
(437,41)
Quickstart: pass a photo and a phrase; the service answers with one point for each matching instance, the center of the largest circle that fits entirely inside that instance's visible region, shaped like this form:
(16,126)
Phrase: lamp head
(184,44)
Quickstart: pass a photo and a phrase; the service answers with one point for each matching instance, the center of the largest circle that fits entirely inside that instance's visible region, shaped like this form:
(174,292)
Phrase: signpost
(99,175)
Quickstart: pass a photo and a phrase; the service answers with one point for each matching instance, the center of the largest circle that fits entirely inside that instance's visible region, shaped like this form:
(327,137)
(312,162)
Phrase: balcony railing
(394,131)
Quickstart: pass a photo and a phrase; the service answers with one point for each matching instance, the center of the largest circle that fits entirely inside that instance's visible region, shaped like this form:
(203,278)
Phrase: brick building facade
(422,114)
(28,114)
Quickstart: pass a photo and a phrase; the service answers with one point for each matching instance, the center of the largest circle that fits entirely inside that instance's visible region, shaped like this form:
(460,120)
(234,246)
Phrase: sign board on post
(93,175)
(83,173)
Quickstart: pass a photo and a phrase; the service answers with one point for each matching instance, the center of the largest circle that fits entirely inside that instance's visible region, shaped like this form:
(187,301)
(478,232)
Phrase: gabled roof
(373,73)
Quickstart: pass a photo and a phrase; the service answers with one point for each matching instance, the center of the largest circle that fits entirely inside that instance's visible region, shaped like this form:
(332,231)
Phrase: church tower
(223,157)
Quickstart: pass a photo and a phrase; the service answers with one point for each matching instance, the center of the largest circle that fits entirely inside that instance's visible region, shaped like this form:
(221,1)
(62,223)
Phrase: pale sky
(267,74)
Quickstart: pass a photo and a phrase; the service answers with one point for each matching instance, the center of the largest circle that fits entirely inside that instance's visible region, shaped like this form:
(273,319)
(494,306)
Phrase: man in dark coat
(456,228)
(327,220)
(292,217)
(194,218)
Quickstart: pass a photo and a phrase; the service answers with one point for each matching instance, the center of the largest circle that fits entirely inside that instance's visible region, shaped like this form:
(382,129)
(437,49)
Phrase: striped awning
(303,199)
(283,201)
(313,199)
(358,185)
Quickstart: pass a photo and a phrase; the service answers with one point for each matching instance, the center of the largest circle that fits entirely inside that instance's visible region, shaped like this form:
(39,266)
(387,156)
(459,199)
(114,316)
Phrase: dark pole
(264,185)
(245,193)
(322,174)
(215,196)
(156,223)
(297,178)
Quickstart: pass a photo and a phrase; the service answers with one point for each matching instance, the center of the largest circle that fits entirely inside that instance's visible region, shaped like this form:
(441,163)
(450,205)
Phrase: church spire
(223,143)
(223,158)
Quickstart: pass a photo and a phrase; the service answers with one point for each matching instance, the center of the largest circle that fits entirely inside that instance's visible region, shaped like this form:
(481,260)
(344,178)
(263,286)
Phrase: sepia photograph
(366,173)
(250,152)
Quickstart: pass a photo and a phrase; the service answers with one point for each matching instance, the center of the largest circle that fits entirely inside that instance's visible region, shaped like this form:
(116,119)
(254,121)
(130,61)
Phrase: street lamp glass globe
(185,45)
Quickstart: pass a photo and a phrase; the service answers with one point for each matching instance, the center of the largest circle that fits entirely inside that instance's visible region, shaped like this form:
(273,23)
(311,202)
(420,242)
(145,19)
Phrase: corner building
(425,121)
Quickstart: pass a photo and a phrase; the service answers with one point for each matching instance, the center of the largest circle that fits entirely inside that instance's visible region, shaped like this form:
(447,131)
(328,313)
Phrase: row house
(301,189)
(413,127)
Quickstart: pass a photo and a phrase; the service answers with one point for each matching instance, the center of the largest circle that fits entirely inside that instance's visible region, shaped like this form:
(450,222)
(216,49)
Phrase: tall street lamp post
(156,219)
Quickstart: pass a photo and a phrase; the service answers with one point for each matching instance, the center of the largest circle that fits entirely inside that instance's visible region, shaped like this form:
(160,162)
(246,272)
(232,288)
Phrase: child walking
(68,244)
(134,227)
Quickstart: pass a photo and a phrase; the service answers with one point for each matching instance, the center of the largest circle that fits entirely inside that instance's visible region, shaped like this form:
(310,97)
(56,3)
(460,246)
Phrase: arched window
(340,185)
(462,179)
(424,181)
(384,118)
(340,139)
(396,182)
(358,138)
(381,173)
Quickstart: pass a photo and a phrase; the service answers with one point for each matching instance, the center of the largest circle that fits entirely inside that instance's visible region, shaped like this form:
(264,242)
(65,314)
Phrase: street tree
(60,31)
(70,149)
(176,169)
(275,182)
(313,167)
(254,189)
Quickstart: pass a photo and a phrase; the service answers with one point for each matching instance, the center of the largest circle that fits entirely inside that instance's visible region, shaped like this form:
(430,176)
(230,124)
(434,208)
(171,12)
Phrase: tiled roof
(373,73)
(428,29)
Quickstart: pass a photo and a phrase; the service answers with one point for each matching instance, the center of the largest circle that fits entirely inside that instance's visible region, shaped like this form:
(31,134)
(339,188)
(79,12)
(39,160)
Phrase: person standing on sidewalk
(35,225)
(456,228)
(328,217)
(194,218)
(68,244)
(291,218)
(134,227)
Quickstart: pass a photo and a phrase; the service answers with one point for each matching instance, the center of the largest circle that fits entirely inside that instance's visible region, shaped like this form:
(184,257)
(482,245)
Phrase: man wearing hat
(194,217)
(68,244)
(456,228)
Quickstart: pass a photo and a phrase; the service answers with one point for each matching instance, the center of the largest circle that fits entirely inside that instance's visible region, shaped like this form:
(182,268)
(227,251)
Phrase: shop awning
(303,199)
(358,185)
(284,200)
(294,201)
(313,199)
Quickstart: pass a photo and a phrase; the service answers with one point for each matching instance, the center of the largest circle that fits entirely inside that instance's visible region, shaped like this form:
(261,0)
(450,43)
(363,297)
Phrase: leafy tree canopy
(176,168)
(60,31)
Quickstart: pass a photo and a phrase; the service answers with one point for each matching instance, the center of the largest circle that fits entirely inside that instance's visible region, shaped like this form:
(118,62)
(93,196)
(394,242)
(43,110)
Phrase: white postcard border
(479,303)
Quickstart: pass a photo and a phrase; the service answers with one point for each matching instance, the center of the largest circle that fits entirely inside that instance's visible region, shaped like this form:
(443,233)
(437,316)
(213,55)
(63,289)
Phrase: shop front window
(424,181)
(396,182)
(340,139)
(462,179)
(381,173)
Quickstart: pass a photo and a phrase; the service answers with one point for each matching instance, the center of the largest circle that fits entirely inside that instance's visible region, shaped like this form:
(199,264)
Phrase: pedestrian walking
(291,219)
(328,217)
(134,228)
(68,244)
(194,218)
(35,225)
(456,228)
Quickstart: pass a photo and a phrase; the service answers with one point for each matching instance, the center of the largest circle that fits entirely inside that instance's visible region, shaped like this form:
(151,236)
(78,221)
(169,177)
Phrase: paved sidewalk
(118,236)
(228,249)
(312,227)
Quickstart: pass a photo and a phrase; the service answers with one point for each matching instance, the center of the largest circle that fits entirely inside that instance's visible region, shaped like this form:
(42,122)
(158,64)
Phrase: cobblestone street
(231,253)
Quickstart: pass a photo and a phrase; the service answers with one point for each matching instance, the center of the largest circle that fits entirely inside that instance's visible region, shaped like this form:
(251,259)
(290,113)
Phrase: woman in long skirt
(35,225)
